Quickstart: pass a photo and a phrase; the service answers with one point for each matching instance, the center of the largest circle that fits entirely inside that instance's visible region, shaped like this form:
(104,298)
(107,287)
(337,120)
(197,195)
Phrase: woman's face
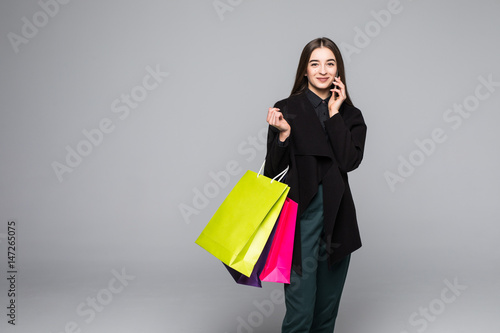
(321,70)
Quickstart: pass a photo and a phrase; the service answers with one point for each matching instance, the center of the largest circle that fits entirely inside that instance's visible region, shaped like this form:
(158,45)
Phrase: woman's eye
(331,64)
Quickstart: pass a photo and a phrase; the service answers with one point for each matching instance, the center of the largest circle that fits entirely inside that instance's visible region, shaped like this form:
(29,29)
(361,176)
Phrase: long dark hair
(301,80)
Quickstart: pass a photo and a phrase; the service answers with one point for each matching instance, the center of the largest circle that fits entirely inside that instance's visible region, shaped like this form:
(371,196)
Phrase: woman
(320,135)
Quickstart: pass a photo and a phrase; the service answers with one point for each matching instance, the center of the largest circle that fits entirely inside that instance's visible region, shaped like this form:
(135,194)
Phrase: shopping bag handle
(280,175)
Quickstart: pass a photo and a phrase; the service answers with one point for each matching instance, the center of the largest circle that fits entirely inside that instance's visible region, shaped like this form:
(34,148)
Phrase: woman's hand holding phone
(338,96)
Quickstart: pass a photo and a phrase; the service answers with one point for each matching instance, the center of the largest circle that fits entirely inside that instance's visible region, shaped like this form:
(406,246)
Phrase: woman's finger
(277,119)
(273,120)
(338,81)
(269,115)
(343,89)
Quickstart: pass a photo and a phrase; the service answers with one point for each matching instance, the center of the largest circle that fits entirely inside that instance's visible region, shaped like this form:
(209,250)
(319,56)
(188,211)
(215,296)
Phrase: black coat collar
(307,133)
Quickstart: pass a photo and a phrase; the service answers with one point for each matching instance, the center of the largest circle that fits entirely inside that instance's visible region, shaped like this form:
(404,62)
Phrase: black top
(320,106)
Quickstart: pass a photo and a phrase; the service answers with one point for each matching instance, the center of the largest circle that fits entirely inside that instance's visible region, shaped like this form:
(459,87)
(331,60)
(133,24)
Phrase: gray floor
(176,299)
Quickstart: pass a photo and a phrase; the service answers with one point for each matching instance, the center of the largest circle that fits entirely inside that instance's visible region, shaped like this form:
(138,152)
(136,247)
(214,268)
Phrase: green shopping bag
(240,228)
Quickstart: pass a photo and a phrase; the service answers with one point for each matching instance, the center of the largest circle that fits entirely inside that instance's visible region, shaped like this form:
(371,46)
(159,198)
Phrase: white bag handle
(281,175)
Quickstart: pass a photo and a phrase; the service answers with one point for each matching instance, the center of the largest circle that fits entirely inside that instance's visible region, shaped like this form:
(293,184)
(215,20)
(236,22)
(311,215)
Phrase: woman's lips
(322,79)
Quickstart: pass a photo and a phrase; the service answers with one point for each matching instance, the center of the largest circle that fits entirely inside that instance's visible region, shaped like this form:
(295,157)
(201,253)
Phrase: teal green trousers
(312,300)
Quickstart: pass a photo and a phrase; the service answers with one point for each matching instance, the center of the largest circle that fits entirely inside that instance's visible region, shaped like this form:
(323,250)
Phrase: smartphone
(334,85)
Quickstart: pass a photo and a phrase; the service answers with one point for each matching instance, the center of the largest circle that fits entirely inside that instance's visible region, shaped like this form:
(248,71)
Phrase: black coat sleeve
(347,133)
(278,155)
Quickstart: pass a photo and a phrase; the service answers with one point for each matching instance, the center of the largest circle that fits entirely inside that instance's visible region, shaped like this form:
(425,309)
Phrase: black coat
(319,156)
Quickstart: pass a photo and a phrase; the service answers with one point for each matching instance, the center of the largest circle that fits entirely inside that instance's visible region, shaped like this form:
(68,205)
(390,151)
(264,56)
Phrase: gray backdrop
(124,124)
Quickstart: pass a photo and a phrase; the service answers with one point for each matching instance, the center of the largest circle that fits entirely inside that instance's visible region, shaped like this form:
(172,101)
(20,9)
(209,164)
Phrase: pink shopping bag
(279,261)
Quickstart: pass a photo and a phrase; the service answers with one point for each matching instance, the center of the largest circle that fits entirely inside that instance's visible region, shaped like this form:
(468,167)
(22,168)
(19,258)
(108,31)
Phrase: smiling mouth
(322,79)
